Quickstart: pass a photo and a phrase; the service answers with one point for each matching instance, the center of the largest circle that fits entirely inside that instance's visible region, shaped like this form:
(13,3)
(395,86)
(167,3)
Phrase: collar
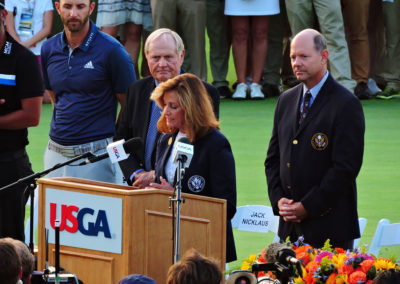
(315,90)
(88,40)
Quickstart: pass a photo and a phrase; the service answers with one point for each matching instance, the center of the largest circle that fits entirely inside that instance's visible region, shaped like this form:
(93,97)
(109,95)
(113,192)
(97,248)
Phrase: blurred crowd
(363,38)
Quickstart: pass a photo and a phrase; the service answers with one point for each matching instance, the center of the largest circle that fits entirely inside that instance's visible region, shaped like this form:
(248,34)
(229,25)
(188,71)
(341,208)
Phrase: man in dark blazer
(165,53)
(316,151)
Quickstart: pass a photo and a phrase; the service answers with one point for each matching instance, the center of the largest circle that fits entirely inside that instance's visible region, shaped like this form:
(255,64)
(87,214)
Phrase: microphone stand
(178,199)
(30,182)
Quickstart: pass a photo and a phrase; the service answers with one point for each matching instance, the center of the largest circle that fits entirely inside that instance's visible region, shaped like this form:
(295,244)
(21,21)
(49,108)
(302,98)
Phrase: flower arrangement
(331,265)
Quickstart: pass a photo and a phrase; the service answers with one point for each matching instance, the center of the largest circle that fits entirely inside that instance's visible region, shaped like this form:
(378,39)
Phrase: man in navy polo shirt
(86,72)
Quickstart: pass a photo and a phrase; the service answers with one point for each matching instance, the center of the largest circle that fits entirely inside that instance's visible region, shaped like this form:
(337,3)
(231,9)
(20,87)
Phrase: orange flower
(302,249)
(367,264)
(345,269)
(305,257)
(357,277)
(331,279)
(312,266)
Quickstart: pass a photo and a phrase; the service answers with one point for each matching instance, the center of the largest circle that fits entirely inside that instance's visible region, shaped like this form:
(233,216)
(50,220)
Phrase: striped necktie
(151,135)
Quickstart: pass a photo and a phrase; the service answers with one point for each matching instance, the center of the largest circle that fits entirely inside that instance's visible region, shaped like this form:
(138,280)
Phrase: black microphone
(130,146)
(277,252)
(183,150)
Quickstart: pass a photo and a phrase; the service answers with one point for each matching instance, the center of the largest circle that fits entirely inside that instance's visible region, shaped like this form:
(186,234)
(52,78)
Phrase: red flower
(301,249)
(305,257)
(340,250)
(309,279)
(367,265)
(261,258)
(357,277)
(345,269)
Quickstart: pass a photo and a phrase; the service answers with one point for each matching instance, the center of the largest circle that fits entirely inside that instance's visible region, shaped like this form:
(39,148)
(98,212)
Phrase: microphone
(116,151)
(277,252)
(183,150)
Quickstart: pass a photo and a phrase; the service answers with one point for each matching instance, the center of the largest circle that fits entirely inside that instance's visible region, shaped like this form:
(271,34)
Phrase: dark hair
(387,277)
(194,268)
(10,265)
(26,258)
(319,43)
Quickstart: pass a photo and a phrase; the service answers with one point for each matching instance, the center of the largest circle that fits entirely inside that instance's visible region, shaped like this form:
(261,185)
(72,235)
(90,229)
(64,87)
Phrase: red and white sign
(86,220)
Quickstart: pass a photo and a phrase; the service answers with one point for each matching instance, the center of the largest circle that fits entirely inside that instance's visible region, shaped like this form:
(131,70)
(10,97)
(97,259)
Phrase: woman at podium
(187,112)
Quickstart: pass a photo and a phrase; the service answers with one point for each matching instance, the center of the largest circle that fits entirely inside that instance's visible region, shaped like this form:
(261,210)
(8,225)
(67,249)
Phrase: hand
(291,211)
(143,179)
(164,185)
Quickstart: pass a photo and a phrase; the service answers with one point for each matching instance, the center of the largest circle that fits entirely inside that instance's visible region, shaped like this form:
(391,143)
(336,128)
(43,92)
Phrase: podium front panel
(146,226)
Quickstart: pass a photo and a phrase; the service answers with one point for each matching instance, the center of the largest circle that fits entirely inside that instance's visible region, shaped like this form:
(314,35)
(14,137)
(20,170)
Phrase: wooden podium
(99,248)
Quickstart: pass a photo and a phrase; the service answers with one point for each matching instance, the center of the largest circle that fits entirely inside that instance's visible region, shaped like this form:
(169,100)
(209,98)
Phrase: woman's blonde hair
(194,100)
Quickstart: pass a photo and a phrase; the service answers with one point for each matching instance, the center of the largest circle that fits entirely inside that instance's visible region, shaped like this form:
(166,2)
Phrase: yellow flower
(339,259)
(384,264)
(298,280)
(246,265)
(341,279)
(252,258)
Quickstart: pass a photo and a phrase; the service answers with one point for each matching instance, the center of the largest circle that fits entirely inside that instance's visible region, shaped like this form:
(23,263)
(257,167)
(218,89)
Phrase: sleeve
(9,4)
(272,166)
(43,59)
(49,6)
(120,69)
(347,154)
(213,92)
(124,131)
(29,78)
(222,175)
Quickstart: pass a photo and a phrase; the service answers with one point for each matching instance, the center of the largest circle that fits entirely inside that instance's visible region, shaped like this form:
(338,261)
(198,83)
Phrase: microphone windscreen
(272,252)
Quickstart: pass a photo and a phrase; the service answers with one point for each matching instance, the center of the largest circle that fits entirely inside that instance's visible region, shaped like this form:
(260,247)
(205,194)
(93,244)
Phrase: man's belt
(76,150)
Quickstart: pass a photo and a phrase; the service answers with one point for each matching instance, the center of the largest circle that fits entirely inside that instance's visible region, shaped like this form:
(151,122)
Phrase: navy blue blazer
(317,162)
(210,173)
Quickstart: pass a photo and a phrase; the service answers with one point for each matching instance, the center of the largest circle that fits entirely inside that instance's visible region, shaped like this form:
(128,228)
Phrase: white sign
(255,218)
(86,220)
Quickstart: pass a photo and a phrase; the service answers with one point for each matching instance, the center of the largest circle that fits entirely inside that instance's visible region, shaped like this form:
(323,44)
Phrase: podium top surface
(111,188)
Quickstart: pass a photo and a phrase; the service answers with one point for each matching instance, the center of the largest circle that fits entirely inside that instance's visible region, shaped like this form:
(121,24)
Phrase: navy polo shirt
(85,83)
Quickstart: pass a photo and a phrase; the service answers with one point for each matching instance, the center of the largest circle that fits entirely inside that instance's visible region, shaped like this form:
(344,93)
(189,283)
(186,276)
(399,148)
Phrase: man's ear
(325,55)
(57,4)
(91,7)
(182,57)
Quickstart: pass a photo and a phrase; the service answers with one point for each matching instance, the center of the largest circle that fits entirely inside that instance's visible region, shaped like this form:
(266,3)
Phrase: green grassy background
(247,125)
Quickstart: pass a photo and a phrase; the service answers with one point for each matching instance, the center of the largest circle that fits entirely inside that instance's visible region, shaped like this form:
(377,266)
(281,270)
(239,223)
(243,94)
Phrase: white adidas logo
(89,65)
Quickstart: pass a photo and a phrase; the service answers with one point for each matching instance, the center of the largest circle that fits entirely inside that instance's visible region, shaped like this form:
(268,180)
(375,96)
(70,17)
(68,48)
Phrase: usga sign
(87,221)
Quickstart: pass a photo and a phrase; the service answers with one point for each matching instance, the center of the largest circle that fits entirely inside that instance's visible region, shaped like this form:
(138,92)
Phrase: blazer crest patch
(319,141)
(196,183)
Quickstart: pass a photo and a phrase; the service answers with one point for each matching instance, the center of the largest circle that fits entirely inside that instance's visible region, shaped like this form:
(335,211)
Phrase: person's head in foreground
(10,264)
(194,268)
